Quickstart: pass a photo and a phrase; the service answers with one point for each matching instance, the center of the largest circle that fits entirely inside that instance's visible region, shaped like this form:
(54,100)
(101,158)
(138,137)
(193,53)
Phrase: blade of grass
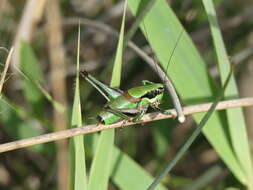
(189,73)
(127,174)
(30,66)
(206,178)
(78,164)
(6,66)
(143,9)
(32,82)
(139,17)
(235,117)
(100,169)
(116,73)
(192,138)
(58,106)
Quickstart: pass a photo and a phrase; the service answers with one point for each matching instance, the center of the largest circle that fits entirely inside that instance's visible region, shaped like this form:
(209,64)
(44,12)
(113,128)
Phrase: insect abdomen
(106,117)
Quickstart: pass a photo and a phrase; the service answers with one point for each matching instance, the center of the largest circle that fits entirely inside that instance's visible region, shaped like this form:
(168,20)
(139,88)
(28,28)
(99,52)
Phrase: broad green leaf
(30,66)
(139,18)
(32,79)
(100,169)
(188,72)
(180,153)
(59,107)
(236,123)
(127,174)
(78,159)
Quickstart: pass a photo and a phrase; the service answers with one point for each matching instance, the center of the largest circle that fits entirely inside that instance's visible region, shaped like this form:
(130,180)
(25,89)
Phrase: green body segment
(120,102)
(108,92)
(131,104)
(140,91)
(138,98)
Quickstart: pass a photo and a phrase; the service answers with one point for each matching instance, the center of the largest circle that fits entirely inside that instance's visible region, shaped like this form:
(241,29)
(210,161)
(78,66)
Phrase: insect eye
(100,119)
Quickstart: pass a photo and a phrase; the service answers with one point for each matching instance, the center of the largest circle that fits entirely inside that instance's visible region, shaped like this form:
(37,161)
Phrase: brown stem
(58,84)
(99,127)
(32,14)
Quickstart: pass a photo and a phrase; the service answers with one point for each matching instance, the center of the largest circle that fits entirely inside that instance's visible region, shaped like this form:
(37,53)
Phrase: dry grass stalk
(189,110)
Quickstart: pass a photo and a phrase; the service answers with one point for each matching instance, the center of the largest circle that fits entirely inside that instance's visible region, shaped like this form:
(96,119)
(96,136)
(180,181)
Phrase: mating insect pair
(132,104)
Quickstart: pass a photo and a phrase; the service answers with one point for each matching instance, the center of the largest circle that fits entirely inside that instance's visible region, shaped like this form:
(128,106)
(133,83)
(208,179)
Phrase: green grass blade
(59,107)
(206,178)
(235,117)
(191,139)
(127,174)
(100,170)
(140,15)
(188,72)
(78,162)
(116,73)
(30,66)
(32,79)
(99,174)
(6,66)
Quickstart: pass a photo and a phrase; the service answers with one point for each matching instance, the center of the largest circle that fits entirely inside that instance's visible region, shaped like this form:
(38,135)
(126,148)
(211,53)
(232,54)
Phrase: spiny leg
(166,112)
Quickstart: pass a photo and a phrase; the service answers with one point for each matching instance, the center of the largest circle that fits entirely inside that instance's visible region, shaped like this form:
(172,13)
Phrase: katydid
(131,104)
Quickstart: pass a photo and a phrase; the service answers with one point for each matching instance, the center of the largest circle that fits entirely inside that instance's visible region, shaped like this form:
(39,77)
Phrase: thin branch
(189,110)
(4,49)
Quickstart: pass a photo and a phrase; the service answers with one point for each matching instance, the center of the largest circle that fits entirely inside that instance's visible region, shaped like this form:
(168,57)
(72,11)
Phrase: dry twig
(98,127)
(58,83)
(6,66)
(32,14)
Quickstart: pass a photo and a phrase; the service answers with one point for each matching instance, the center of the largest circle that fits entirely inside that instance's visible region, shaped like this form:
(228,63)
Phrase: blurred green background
(45,38)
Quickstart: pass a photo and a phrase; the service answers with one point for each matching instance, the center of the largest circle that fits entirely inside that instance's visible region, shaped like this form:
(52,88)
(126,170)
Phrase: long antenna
(173,51)
(155,62)
(166,80)
(170,87)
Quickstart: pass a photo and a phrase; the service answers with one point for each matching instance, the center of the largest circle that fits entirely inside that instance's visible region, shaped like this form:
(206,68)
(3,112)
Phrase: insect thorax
(149,90)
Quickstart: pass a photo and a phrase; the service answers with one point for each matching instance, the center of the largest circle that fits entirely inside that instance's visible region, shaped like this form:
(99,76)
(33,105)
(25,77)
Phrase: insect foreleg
(159,109)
